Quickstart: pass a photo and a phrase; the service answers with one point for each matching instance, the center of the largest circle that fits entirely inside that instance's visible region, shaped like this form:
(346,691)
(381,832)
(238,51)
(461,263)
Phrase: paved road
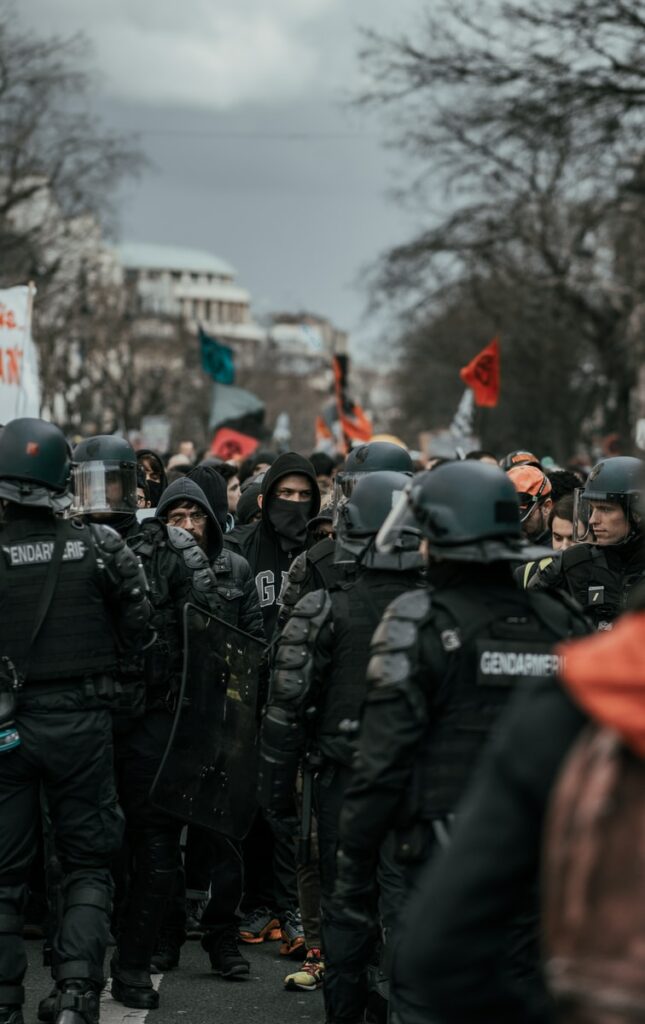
(193,995)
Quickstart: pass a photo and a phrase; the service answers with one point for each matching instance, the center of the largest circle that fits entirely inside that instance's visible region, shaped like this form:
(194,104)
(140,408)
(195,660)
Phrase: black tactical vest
(76,639)
(357,609)
(488,645)
(600,580)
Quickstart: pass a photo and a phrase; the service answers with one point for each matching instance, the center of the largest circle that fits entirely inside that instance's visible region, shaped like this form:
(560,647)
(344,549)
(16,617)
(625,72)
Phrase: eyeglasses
(177,518)
(141,499)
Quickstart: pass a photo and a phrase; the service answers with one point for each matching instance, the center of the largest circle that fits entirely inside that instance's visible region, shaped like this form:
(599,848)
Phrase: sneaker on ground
(309,975)
(292,934)
(226,958)
(259,925)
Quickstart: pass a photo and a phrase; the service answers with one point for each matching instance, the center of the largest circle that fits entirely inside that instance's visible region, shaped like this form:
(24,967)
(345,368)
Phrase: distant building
(303,344)
(197,286)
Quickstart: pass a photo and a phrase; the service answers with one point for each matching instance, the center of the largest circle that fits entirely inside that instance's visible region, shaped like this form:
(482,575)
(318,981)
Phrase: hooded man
(212,862)
(184,503)
(152,465)
(289,498)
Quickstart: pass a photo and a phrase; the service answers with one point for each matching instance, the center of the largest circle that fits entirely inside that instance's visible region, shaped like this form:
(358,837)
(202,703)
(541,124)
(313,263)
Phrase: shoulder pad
(388,670)
(298,568)
(312,604)
(179,539)
(107,538)
(306,618)
(395,634)
(414,605)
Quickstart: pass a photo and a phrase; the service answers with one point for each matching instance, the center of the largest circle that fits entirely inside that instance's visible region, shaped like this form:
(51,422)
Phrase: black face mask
(289,520)
(155,487)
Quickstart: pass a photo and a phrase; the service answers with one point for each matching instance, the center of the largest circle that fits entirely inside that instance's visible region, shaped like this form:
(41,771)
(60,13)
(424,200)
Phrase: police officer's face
(561,533)
(608,521)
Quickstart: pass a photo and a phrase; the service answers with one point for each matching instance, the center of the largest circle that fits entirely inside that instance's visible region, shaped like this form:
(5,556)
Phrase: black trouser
(67,747)
(270,873)
(348,949)
(153,838)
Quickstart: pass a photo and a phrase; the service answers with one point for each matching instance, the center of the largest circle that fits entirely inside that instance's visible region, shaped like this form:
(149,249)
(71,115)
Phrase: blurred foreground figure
(73,603)
(444,665)
(453,963)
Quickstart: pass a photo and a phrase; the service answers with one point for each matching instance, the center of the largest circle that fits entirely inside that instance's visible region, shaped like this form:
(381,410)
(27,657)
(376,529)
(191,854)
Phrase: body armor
(599,578)
(356,610)
(62,650)
(470,656)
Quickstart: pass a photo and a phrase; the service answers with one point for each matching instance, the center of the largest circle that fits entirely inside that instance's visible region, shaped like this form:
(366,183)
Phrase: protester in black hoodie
(289,498)
(237,595)
(212,862)
(152,465)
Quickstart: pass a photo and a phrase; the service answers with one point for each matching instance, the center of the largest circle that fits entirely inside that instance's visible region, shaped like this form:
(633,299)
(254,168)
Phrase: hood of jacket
(605,676)
(185,491)
(284,465)
(213,485)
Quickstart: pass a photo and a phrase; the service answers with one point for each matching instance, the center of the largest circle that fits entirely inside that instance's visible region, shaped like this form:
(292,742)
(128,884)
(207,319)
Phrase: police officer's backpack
(594,884)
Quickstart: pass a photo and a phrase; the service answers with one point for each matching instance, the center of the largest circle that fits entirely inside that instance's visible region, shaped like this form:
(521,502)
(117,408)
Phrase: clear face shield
(605,520)
(401,530)
(104,488)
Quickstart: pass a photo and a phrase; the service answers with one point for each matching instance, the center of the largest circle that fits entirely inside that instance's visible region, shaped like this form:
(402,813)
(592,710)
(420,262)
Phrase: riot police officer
(317,567)
(178,572)
(318,687)
(608,558)
(444,662)
(73,603)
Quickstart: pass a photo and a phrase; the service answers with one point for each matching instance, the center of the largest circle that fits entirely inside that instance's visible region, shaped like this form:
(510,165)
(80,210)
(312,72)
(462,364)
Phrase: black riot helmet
(620,481)
(361,517)
(369,458)
(35,464)
(467,511)
(105,479)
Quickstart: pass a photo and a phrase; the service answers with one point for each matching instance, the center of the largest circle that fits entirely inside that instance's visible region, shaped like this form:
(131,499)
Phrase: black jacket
(237,599)
(259,542)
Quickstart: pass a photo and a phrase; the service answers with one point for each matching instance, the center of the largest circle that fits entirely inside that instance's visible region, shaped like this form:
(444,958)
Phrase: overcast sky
(238,104)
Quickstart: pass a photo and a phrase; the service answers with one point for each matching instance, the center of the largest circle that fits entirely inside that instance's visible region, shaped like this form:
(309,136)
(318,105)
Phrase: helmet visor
(104,487)
(401,529)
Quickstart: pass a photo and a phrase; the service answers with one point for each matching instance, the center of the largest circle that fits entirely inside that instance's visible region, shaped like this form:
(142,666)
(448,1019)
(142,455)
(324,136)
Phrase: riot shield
(208,773)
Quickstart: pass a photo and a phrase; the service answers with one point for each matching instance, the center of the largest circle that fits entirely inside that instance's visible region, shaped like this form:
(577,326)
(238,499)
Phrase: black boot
(77,1003)
(224,954)
(132,986)
(11,1014)
(47,1007)
(167,951)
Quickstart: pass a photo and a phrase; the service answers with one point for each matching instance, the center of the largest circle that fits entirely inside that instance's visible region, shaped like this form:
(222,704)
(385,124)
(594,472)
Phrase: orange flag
(482,375)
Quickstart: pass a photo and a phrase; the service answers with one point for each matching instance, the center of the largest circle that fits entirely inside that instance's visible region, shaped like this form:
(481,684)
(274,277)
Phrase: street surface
(191,994)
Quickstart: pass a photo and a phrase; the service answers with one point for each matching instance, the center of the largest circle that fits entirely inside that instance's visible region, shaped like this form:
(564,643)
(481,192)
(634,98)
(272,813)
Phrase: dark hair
(142,483)
(562,508)
(226,470)
(323,464)
(480,453)
(563,481)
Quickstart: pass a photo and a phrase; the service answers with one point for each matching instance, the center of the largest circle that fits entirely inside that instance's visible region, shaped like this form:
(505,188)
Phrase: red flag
(230,444)
(482,375)
(353,421)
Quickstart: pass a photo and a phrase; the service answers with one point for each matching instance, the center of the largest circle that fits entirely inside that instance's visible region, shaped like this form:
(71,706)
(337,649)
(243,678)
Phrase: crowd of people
(379,713)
